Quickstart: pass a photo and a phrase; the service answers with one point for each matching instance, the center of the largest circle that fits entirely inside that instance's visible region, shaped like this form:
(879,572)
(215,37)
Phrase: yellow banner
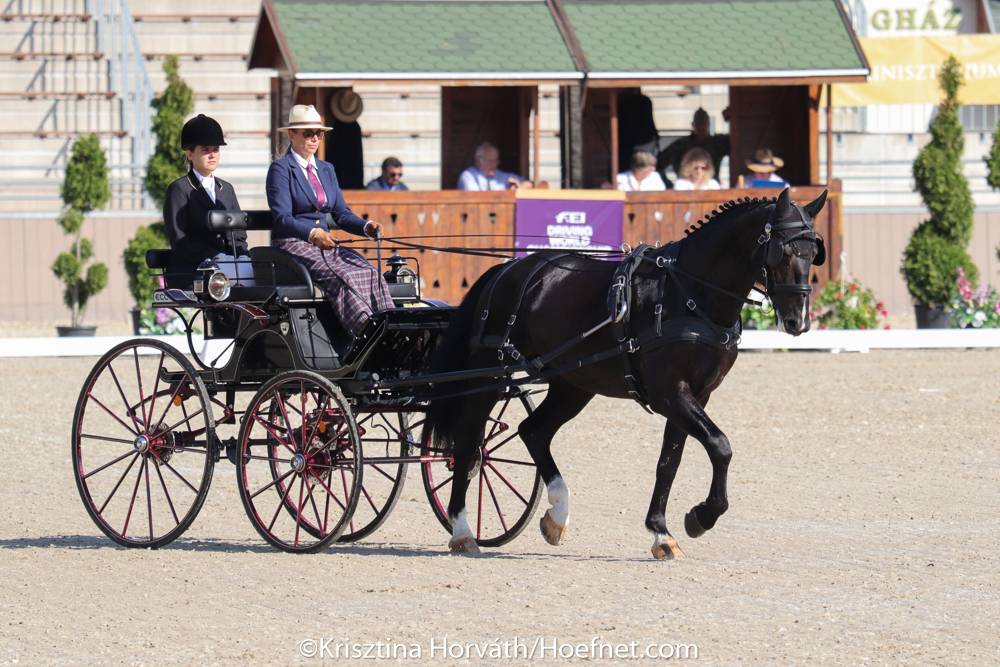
(904,70)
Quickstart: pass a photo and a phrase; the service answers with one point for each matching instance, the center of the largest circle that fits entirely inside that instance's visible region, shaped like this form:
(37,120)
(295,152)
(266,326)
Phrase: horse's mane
(727,211)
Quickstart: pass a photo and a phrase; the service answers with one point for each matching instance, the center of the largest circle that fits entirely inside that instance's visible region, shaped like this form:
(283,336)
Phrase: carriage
(320,426)
(327,424)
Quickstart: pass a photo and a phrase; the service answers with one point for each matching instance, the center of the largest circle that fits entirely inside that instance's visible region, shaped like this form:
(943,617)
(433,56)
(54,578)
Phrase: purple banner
(569,220)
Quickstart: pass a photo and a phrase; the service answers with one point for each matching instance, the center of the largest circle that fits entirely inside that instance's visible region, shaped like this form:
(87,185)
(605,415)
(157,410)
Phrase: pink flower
(159,281)
(853,287)
(840,296)
(887,327)
(163,316)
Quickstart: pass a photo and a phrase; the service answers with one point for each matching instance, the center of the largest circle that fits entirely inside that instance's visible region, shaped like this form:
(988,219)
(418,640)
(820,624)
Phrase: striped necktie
(316,185)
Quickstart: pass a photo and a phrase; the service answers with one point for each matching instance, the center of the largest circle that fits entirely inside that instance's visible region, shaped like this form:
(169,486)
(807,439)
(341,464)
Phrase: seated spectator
(484,175)
(762,171)
(642,176)
(391,178)
(697,172)
(717,145)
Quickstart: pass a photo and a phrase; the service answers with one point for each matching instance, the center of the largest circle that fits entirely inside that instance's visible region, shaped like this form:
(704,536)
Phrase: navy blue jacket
(293,203)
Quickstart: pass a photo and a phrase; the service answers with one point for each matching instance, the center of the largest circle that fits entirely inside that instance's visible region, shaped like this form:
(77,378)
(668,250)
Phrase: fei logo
(571,217)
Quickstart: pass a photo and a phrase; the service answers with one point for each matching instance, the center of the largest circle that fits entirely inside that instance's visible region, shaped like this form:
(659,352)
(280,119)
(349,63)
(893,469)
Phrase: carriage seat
(273,267)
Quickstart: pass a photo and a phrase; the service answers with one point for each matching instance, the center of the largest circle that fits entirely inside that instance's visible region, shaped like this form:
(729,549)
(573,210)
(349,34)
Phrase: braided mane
(727,210)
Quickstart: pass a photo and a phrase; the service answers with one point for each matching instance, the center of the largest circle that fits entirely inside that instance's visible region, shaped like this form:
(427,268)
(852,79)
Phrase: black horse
(661,327)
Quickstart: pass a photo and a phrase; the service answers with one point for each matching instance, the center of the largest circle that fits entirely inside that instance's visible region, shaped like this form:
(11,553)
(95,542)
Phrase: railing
(129,80)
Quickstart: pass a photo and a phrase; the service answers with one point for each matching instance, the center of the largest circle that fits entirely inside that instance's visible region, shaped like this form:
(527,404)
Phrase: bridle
(771,245)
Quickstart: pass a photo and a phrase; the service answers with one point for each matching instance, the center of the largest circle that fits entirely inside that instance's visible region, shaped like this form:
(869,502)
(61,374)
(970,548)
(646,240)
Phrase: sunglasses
(395,174)
(309,134)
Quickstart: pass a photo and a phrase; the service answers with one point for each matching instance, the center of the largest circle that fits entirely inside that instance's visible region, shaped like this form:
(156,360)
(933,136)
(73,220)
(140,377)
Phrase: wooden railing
(486,219)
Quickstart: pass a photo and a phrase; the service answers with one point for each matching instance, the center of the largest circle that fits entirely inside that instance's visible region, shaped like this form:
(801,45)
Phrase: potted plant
(846,304)
(166,164)
(937,248)
(84,189)
(993,166)
(974,308)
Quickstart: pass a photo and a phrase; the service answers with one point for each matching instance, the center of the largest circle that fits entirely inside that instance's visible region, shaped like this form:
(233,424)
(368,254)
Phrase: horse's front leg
(664,545)
(688,413)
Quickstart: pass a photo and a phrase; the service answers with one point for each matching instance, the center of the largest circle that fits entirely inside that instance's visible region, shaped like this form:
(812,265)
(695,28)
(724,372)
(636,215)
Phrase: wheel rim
(505,487)
(299,462)
(384,435)
(143,444)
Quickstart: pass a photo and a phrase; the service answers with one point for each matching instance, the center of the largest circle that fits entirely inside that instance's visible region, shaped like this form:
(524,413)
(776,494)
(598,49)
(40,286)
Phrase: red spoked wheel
(143,444)
(299,462)
(505,487)
(387,437)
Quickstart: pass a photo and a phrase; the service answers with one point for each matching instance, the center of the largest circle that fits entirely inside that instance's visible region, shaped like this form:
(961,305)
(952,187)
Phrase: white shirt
(304,165)
(207,182)
(685,184)
(475,180)
(652,183)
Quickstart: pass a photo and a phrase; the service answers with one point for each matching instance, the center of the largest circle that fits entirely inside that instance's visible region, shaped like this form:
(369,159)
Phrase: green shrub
(84,189)
(931,263)
(937,247)
(167,163)
(142,282)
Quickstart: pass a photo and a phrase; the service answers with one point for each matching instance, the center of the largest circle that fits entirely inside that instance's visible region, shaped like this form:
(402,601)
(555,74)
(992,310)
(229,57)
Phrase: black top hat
(202,131)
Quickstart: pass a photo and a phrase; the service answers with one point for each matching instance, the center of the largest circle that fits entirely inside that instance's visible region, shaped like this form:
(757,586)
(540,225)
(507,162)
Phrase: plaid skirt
(353,286)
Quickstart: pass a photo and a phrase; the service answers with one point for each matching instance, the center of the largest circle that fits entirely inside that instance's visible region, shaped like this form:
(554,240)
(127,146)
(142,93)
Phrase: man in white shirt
(485,175)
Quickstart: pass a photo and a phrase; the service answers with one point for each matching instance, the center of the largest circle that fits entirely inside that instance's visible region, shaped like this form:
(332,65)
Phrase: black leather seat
(274,266)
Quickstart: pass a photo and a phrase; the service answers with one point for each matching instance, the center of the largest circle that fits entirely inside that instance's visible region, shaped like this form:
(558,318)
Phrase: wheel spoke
(149,500)
(116,417)
(109,464)
(368,497)
(170,403)
(281,504)
(502,442)
(489,486)
(435,489)
(494,459)
(509,485)
(267,425)
(479,507)
(384,473)
(272,483)
(138,378)
(165,492)
(186,419)
(120,480)
(105,438)
(156,386)
(135,490)
(298,511)
(326,488)
(121,393)
(284,412)
(306,441)
(179,476)
(268,458)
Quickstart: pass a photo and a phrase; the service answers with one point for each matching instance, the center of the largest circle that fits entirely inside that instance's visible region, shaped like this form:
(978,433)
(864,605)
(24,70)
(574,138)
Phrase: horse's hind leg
(664,545)
(562,403)
(468,439)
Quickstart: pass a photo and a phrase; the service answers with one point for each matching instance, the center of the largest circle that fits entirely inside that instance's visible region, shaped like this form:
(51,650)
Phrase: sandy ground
(864,528)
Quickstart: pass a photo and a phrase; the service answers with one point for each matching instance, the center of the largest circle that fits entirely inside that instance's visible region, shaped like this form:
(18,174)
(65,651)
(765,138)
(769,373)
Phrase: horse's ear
(783,205)
(816,205)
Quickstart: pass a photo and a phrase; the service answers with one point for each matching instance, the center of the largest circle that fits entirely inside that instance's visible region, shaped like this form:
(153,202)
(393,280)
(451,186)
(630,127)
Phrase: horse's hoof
(692,526)
(464,545)
(668,549)
(551,531)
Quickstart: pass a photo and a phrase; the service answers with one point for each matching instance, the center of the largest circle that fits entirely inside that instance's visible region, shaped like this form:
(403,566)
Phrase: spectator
(484,175)
(391,178)
(762,170)
(642,176)
(696,171)
(717,145)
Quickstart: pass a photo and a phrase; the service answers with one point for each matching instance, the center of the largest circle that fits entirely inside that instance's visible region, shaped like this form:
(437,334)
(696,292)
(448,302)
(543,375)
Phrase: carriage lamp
(218,286)
(399,273)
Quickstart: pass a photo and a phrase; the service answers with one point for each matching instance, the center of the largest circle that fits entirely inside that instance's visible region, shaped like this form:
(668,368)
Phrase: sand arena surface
(864,526)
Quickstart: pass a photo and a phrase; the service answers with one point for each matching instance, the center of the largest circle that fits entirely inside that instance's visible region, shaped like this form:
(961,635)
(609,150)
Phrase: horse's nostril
(790,323)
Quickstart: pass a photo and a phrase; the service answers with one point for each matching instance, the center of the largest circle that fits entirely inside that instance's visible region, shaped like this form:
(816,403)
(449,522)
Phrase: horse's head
(790,246)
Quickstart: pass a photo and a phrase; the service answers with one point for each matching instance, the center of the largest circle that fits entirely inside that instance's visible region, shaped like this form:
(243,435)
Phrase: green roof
(358,38)
(706,38)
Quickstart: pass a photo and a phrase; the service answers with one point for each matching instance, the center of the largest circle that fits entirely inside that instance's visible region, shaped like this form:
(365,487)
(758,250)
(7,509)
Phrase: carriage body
(321,425)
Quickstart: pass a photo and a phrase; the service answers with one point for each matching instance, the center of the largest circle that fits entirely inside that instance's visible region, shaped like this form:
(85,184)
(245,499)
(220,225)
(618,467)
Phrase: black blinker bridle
(772,243)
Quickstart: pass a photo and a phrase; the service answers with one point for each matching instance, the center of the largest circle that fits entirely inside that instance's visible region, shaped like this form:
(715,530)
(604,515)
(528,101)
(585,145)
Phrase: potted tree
(937,248)
(84,189)
(166,164)
(993,165)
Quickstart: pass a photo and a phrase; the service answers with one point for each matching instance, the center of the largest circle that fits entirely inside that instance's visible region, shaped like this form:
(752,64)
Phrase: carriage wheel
(143,444)
(505,481)
(299,462)
(383,435)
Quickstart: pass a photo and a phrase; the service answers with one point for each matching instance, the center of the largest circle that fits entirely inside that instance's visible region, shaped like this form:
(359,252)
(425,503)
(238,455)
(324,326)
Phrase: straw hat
(303,117)
(765,161)
(346,105)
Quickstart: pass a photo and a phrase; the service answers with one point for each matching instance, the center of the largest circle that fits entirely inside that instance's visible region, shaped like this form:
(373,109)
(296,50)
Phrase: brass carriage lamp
(213,281)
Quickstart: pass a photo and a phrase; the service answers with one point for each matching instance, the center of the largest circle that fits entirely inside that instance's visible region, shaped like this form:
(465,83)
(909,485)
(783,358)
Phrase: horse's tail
(453,353)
